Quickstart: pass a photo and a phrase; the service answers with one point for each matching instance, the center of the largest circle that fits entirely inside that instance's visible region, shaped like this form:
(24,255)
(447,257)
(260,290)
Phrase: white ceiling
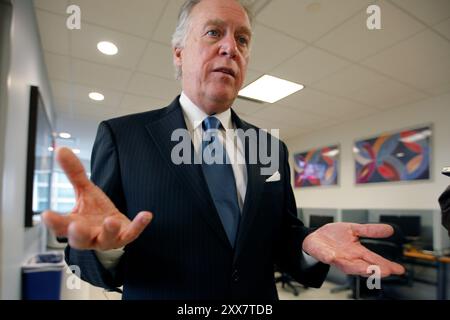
(349,71)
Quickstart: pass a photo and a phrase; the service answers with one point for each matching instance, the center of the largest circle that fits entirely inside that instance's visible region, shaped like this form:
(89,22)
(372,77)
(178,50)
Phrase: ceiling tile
(309,65)
(445,88)
(288,116)
(348,80)
(422,61)
(246,107)
(285,131)
(252,76)
(82,128)
(308,19)
(94,74)
(444,28)
(147,85)
(355,41)
(137,17)
(134,103)
(84,46)
(429,11)
(58,66)
(387,94)
(270,48)
(325,105)
(263,123)
(157,60)
(53,32)
(75,93)
(55,6)
(167,23)
(84,109)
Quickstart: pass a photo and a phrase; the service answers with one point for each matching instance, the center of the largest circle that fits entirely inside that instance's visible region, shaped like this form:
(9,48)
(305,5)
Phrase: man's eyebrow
(215,22)
(221,23)
(245,30)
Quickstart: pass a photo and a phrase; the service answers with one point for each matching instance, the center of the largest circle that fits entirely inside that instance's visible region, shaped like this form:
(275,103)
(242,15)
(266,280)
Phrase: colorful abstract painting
(317,167)
(402,156)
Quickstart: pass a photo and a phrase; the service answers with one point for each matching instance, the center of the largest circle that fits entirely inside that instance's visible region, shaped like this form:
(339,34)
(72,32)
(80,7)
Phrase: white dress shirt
(194,117)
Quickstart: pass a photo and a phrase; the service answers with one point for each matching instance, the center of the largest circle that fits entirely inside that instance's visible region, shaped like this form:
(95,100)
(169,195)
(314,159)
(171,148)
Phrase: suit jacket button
(235,276)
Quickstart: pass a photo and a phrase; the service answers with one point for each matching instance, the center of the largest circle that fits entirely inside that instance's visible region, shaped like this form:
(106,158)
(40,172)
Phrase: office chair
(392,249)
(286,281)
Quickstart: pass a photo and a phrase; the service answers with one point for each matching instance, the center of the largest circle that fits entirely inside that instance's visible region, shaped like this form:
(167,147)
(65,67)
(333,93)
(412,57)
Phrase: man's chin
(223,96)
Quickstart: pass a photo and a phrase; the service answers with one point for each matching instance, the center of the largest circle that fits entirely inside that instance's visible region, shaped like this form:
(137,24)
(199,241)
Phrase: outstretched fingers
(387,267)
(109,236)
(81,235)
(372,230)
(116,232)
(56,222)
(135,228)
(73,168)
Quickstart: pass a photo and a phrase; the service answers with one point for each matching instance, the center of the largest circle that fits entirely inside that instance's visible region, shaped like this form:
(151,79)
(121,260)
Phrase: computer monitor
(316,221)
(410,225)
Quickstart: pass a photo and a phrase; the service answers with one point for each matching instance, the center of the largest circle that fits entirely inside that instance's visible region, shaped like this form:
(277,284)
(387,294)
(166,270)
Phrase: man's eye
(243,41)
(213,33)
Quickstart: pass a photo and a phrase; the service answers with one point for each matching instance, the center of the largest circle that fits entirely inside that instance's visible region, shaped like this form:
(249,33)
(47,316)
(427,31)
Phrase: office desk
(440,262)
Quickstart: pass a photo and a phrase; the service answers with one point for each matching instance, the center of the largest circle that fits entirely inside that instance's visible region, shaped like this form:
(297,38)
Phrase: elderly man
(216,229)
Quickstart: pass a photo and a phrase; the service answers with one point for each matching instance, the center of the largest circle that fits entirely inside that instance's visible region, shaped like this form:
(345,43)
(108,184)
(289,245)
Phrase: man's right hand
(94,223)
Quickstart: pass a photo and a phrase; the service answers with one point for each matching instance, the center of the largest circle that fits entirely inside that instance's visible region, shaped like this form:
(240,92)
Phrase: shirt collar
(195,115)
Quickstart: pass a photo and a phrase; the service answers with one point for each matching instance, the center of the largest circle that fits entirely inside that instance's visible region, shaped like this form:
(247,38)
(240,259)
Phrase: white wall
(26,69)
(411,195)
(5,23)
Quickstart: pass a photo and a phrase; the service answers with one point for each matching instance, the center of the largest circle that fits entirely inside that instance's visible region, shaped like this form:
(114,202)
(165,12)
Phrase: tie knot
(211,123)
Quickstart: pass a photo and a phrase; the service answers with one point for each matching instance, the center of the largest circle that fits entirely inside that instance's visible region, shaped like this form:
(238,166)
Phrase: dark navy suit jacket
(184,253)
(444,201)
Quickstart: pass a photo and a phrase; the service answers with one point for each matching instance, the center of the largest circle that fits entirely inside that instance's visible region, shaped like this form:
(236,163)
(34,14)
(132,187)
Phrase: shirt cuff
(309,260)
(109,258)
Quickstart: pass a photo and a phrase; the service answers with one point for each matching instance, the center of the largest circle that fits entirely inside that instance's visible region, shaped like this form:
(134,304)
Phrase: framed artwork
(41,144)
(401,156)
(317,167)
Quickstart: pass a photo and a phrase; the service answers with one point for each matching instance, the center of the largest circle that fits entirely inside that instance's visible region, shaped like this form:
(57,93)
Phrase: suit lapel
(191,175)
(255,185)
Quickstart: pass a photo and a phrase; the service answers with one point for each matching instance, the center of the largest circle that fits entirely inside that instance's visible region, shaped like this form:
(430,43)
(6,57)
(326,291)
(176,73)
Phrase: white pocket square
(275,177)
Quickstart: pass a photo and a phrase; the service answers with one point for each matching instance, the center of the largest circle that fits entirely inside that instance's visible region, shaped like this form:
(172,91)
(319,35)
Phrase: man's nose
(228,47)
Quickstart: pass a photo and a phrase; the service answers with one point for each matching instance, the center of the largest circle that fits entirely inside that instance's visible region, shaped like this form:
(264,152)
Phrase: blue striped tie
(220,178)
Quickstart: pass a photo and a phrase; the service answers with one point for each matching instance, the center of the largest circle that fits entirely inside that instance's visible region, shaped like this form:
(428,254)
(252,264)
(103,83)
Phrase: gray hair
(181,30)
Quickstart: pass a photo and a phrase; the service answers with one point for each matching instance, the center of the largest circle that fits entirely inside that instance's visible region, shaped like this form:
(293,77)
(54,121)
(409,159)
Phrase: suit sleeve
(444,202)
(105,173)
(290,256)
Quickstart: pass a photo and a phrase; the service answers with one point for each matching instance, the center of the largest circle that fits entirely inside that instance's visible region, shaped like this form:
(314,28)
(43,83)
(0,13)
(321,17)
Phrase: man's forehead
(222,12)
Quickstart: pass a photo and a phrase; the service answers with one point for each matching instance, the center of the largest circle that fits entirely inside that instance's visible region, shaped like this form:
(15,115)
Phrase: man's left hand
(338,244)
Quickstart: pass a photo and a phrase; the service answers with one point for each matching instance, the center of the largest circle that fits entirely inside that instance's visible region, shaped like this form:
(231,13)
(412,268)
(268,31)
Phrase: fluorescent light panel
(270,89)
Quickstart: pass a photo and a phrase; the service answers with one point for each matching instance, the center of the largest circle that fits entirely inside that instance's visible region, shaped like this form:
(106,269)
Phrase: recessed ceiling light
(65,135)
(76,151)
(270,89)
(108,48)
(96,96)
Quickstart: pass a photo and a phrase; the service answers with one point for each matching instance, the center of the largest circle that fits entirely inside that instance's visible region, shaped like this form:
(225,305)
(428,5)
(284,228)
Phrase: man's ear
(177,56)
